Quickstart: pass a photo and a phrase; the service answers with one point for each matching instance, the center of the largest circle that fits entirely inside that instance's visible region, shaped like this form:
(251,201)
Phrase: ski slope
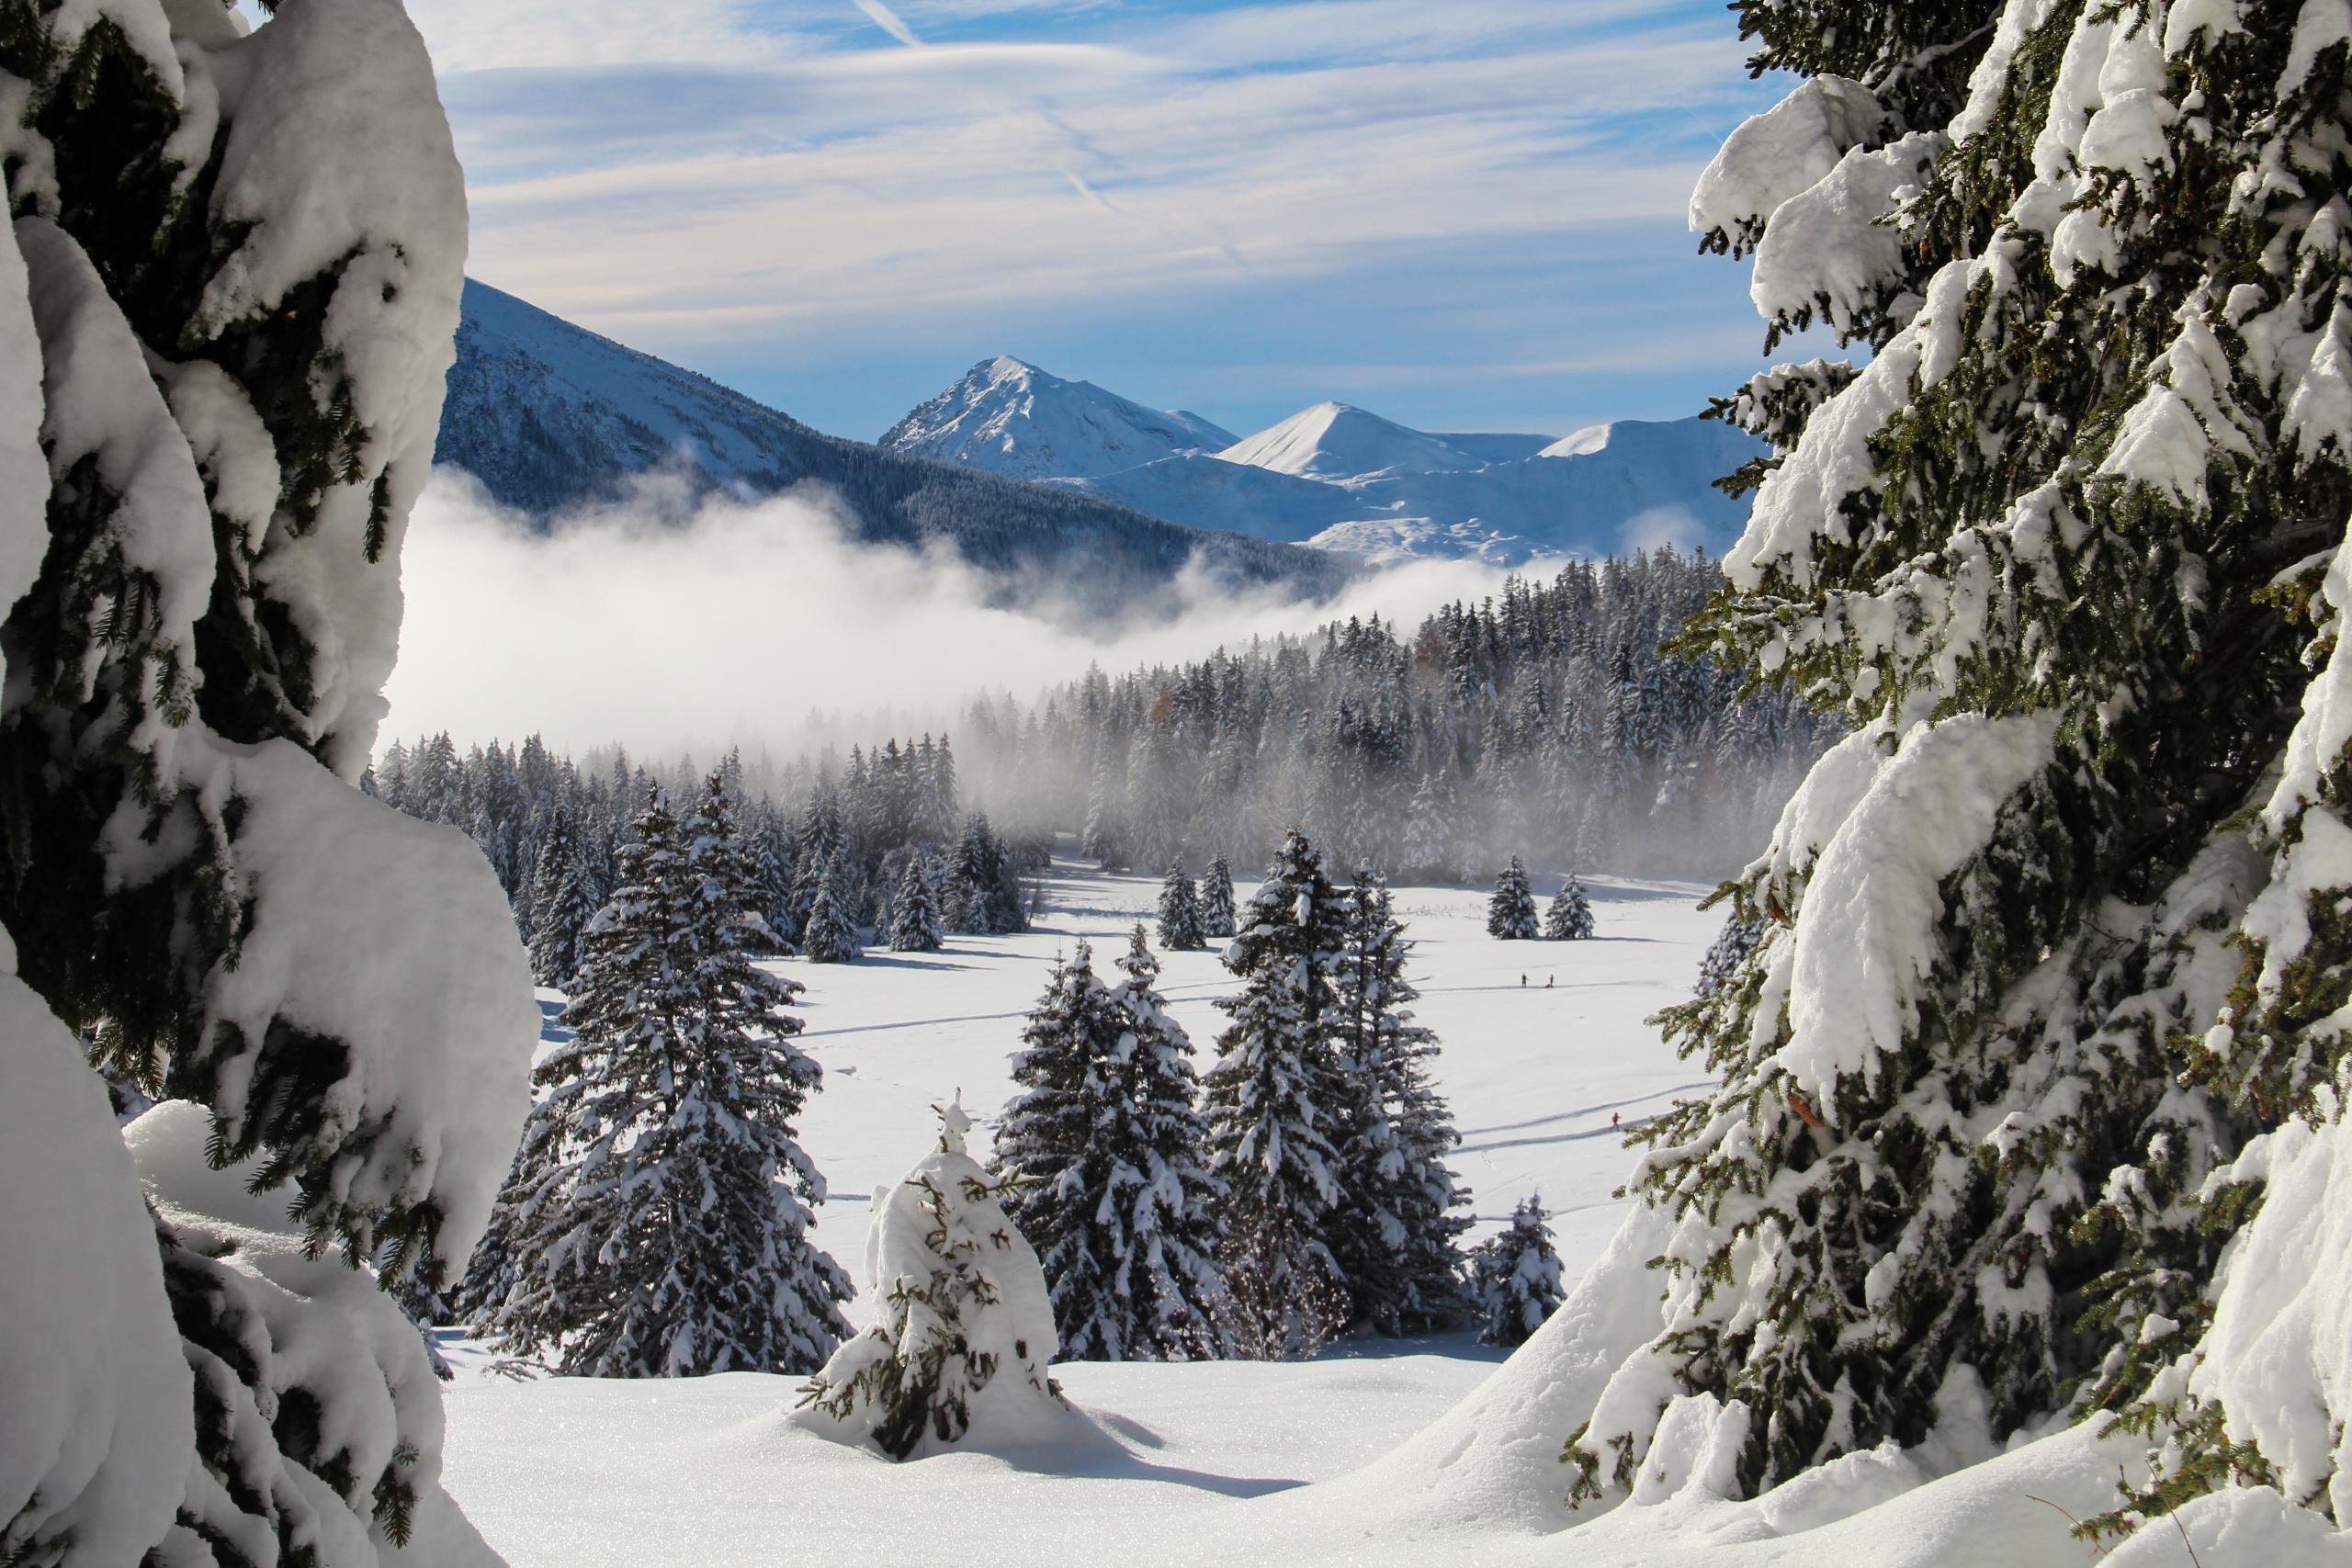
(710,1475)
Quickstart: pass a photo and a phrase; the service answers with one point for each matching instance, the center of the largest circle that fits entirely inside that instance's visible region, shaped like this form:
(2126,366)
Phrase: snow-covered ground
(581,1472)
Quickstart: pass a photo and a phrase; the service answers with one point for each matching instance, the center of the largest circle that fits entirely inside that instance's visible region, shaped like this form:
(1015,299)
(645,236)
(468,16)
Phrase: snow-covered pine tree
(560,902)
(1272,1101)
(723,856)
(659,1219)
(1395,1229)
(1510,909)
(1102,1164)
(1515,1277)
(1179,912)
(1217,901)
(1169,1281)
(966,1330)
(830,935)
(1568,918)
(2036,549)
(914,909)
(219,381)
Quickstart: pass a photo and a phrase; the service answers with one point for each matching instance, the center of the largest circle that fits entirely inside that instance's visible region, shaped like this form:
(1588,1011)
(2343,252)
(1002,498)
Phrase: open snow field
(584,1473)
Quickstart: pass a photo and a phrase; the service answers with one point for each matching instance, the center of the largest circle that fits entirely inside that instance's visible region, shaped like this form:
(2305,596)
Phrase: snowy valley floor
(1428,1452)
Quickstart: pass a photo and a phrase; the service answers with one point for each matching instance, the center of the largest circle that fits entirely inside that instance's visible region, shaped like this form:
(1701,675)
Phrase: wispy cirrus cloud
(798,179)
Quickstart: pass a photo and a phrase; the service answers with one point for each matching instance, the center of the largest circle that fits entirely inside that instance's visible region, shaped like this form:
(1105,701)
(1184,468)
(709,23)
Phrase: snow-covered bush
(966,1330)
(227,301)
(2034,1018)
(1515,1278)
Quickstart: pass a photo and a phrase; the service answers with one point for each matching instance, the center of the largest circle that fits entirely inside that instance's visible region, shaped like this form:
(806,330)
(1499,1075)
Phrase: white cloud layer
(739,623)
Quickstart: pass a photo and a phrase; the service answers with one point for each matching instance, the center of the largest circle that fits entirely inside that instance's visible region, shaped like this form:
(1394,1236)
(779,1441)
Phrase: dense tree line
(878,851)
(1544,722)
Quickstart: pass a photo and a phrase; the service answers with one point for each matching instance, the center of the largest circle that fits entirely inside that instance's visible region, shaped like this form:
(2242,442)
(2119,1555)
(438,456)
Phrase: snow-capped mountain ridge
(1009,417)
(1347,481)
(550,417)
(1339,442)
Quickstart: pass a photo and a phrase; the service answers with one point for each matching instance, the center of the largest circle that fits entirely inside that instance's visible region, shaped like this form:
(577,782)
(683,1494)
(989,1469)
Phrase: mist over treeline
(1543,722)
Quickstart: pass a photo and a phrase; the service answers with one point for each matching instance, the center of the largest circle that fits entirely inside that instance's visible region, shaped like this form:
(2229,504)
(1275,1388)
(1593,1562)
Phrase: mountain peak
(1004,367)
(1010,417)
(1339,441)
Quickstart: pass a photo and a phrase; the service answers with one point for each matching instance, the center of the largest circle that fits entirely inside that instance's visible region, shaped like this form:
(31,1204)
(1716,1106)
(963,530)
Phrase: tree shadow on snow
(1094,1451)
(883,959)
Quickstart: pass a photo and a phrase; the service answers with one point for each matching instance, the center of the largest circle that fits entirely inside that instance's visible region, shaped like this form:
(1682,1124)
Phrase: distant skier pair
(1547,980)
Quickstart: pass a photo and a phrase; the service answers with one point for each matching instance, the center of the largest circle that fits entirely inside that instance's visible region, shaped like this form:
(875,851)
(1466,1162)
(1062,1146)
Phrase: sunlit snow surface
(582,1472)
(1424,1452)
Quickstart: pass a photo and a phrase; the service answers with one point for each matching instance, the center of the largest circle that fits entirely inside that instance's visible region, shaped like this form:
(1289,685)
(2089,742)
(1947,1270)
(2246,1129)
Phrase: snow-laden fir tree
(1179,912)
(1511,908)
(723,856)
(1983,1077)
(1515,1277)
(220,383)
(1273,1099)
(559,905)
(1568,918)
(1172,1284)
(1397,1227)
(1103,1166)
(1216,898)
(831,935)
(914,909)
(659,1215)
(966,1332)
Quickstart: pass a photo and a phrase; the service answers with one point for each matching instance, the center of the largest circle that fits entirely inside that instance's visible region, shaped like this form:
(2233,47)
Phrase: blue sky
(1463,214)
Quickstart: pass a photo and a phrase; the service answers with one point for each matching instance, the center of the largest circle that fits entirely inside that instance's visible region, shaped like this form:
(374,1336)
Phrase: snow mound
(1496,1457)
(1008,416)
(328,1336)
(97,1427)
(1582,443)
(1335,440)
(2279,1356)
